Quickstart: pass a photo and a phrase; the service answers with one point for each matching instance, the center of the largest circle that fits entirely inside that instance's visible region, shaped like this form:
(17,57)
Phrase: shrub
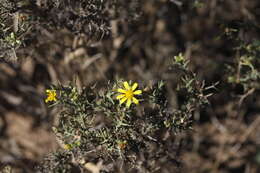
(93,125)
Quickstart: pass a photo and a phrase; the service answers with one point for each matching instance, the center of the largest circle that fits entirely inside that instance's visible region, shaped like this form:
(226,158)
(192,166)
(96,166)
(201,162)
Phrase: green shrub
(94,124)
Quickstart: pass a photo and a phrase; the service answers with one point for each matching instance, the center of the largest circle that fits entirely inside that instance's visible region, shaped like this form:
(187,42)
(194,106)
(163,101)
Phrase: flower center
(129,94)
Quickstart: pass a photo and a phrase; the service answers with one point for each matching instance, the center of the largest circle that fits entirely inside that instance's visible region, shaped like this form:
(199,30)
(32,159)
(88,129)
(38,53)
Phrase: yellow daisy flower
(51,96)
(67,147)
(127,94)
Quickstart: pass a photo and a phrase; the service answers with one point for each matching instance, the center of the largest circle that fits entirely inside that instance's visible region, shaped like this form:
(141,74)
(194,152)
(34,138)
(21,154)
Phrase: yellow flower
(51,96)
(127,94)
(122,145)
(67,147)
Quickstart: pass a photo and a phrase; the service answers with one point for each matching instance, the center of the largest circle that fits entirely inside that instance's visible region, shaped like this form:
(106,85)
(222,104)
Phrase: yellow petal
(138,92)
(135,101)
(121,90)
(120,96)
(122,100)
(126,85)
(134,86)
(128,103)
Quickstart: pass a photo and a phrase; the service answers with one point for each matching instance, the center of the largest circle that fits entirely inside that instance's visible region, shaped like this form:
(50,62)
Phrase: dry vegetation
(50,42)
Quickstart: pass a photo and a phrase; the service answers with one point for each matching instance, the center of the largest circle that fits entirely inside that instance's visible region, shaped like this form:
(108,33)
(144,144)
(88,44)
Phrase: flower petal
(121,90)
(134,86)
(120,96)
(126,85)
(128,103)
(123,100)
(138,92)
(135,101)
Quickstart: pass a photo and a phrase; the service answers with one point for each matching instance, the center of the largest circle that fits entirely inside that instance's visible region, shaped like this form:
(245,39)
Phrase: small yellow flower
(122,145)
(67,147)
(128,93)
(51,96)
